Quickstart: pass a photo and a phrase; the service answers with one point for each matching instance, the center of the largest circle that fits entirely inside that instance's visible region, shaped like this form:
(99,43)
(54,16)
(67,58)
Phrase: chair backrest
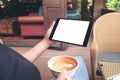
(106,32)
(106,37)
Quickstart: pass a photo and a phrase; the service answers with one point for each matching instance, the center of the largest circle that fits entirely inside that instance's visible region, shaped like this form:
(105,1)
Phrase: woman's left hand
(1,41)
(46,38)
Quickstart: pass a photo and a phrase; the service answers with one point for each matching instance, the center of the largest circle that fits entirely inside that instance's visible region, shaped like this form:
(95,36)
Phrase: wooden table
(41,62)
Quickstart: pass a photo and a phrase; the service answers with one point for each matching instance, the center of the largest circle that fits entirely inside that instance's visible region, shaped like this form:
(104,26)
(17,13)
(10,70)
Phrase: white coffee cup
(62,63)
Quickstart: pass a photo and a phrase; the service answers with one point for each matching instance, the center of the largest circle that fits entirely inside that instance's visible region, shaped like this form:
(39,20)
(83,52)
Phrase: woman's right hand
(63,76)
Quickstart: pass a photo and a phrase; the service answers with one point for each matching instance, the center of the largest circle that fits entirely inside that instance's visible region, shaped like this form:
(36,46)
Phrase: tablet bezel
(87,36)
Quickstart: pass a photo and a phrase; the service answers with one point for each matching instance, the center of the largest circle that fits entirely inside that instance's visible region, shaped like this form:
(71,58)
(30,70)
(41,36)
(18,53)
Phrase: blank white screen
(71,31)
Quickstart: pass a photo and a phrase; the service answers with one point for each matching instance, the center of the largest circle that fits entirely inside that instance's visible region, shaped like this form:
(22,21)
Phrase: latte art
(63,66)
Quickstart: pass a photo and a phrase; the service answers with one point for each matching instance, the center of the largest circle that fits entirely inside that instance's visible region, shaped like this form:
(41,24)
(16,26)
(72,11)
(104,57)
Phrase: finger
(64,76)
(68,78)
(1,41)
(61,76)
(52,25)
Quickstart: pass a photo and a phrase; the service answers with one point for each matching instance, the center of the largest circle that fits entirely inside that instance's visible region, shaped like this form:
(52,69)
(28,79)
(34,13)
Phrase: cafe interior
(23,23)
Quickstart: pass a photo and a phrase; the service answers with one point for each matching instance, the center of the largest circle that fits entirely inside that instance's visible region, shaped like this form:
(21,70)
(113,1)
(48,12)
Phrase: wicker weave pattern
(110,69)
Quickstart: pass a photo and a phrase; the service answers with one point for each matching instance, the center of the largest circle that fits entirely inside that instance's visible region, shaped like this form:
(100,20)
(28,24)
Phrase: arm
(38,49)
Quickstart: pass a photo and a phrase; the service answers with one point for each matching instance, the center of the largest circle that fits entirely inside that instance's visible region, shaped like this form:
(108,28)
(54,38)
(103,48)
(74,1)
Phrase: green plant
(113,4)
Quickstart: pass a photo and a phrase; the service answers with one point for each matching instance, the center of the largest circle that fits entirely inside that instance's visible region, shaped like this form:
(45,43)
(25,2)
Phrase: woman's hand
(63,76)
(1,41)
(46,38)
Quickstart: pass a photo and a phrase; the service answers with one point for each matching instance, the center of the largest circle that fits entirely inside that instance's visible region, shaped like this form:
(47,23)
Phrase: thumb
(63,76)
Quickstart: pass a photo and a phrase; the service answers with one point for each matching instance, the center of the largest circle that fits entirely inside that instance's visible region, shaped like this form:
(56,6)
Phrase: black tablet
(76,32)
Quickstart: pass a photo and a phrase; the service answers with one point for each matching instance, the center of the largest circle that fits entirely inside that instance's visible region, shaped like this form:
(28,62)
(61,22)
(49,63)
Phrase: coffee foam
(62,63)
(63,66)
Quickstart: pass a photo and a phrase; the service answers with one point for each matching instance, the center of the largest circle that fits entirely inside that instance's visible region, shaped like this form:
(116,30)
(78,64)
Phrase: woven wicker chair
(106,37)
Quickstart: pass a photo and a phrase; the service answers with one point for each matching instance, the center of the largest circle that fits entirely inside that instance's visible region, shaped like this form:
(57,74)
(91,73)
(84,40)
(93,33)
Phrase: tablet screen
(71,31)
